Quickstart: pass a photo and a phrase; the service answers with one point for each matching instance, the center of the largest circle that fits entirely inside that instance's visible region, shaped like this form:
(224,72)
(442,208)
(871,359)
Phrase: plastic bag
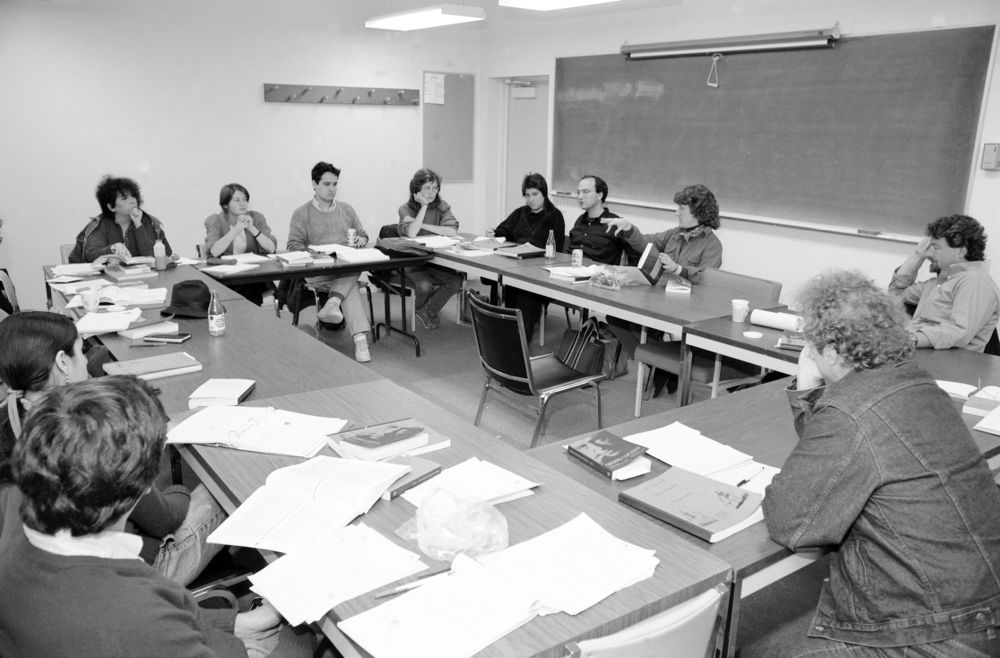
(446,525)
(618,276)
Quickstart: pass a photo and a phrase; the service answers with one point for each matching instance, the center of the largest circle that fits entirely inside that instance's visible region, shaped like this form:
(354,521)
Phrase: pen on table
(747,480)
(422,580)
(147,345)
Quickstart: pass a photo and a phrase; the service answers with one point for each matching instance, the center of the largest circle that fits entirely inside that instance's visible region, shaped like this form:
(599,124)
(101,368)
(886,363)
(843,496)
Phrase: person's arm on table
(826,481)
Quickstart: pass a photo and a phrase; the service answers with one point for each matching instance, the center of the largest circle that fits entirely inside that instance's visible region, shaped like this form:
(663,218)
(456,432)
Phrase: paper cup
(91,299)
(740,309)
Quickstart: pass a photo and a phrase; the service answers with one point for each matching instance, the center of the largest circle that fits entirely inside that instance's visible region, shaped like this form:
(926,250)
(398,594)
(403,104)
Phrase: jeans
(183,554)
(978,644)
(434,287)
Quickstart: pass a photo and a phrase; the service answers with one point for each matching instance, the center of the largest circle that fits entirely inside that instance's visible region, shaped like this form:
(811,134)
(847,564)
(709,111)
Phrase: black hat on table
(189,299)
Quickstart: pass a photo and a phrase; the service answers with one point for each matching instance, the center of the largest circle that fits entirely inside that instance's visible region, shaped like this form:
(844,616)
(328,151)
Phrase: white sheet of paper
(687,448)
(477,480)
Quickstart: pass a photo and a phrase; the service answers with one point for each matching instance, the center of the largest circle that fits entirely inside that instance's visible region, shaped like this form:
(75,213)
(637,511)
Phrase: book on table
(704,507)
(792,341)
(526,250)
(677,286)
(130,273)
(571,274)
(377,442)
(351,254)
(221,392)
(155,367)
(421,470)
(957,390)
(611,455)
(294,258)
(300,505)
(650,265)
(990,423)
(162,327)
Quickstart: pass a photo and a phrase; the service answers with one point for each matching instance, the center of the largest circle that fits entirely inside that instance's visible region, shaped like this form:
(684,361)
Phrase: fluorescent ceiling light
(550,5)
(764,42)
(426,17)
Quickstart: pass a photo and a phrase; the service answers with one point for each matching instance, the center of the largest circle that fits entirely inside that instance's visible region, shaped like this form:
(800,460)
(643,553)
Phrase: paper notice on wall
(434,88)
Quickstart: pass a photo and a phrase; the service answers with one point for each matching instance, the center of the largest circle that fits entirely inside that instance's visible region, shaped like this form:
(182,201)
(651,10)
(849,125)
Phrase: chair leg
(541,325)
(482,401)
(717,373)
(543,403)
(597,396)
(640,386)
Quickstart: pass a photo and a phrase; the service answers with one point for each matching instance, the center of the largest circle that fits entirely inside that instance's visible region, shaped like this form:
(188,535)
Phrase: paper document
(305,585)
(300,505)
(75,269)
(476,480)
(257,429)
(572,567)
(453,617)
(351,254)
(230,269)
(687,448)
(126,296)
(436,241)
(106,323)
(248,258)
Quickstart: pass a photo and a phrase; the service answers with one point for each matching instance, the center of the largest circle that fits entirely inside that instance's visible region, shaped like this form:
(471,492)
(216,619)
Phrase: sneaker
(331,313)
(361,353)
(426,319)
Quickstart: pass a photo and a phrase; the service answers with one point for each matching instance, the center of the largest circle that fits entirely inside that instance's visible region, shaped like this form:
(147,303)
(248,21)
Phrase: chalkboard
(448,128)
(877,133)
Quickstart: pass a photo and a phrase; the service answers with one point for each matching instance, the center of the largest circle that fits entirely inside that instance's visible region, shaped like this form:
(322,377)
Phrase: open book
(351,254)
(300,505)
(257,429)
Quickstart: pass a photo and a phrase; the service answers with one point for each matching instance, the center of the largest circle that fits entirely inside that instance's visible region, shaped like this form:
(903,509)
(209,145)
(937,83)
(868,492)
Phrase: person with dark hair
(591,232)
(426,211)
(887,476)
(531,223)
(42,351)
(960,306)
(122,228)
(324,220)
(692,246)
(72,583)
(239,230)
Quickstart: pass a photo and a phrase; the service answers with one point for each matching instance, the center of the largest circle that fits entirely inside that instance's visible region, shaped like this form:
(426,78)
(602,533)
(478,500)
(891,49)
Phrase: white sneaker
(361,353)
(331,312)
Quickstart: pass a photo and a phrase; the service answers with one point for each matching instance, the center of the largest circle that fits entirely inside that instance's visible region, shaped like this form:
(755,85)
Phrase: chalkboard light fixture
(426,17)
(761,42)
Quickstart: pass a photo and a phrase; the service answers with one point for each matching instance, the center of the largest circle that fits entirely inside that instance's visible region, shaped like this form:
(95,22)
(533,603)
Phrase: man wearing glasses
(591,233)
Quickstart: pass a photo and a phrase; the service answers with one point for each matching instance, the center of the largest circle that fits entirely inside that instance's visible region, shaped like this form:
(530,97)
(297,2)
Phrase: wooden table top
(684,570)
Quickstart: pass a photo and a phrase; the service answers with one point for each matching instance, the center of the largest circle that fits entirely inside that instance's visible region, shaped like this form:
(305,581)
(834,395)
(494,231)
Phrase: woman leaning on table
(531,223)
(40,351)
(239,230)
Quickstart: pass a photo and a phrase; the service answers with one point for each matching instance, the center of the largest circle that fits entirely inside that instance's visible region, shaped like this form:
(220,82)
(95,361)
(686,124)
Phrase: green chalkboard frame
(876,135)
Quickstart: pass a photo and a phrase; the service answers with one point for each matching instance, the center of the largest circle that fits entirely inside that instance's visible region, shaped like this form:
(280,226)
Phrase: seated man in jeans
(72,582)
(886,475)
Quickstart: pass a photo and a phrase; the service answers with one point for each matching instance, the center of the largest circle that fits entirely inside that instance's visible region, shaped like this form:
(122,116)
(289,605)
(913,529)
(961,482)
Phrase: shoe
(361,353)
(426,319)
(331,313)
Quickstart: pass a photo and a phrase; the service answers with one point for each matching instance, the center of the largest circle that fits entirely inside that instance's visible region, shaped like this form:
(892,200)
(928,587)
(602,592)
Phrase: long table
(684,571)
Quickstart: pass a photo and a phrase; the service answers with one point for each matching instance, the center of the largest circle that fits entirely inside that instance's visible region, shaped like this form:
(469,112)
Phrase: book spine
(406,486)
(597,466)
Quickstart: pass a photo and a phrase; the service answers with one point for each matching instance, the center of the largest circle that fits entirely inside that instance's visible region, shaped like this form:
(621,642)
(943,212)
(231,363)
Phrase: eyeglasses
(583,192)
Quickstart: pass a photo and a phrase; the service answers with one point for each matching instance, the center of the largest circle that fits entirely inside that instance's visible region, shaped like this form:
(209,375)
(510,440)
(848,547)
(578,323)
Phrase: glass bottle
(159,255)
(550,245)
(216,315)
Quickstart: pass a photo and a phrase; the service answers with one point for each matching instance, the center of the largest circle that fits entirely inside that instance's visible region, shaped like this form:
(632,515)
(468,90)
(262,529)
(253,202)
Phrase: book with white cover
(351,254)
(475,480)
(221,392)
(155,367)
(300,505)
(164,327)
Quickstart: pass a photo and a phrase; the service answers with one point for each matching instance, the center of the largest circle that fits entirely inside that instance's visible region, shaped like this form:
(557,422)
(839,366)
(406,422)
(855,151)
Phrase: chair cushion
(549,373)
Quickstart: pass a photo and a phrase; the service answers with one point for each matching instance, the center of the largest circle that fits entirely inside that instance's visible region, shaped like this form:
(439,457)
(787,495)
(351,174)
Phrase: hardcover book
(606,453)
(704,507)
(377,442)
(421,470)
(227,392)
(526,250)
(155,367)
(650,265)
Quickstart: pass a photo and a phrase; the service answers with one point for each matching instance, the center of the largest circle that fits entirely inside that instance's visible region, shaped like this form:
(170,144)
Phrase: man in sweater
(72,583)
(325,221)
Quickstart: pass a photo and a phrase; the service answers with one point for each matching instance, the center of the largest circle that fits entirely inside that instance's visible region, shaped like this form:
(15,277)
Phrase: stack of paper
(257,429)
(164,327)
(475,480)
(567,570)
(106,323)
(126,296)
(453,617)
(305,585)
(436,241)
(230,269)
(75,269)
(248,258)
(300,505)
(550,568)
(687,448)
(227,392)
(155,367)
(351,254)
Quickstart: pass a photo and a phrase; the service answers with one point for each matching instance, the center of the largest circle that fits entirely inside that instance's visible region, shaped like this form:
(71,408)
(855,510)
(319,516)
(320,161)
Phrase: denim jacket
(886,474)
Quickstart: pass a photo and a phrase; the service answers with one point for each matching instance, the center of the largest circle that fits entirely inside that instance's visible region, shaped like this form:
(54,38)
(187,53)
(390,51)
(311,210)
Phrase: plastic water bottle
(216,315)
(550,245)
(159,255)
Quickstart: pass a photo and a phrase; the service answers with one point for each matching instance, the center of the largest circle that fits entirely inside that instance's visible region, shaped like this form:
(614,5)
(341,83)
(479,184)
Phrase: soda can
(352,235)
(578,258)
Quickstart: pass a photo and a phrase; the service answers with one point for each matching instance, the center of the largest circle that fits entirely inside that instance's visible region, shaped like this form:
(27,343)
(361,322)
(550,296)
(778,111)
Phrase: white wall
(170,93)
(521,46)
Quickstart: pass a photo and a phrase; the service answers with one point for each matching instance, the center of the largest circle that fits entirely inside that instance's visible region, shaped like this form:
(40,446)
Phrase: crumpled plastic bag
(446,525)
(618,276)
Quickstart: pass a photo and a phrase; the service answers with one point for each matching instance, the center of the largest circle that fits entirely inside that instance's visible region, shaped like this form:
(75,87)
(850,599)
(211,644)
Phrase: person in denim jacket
(886,475)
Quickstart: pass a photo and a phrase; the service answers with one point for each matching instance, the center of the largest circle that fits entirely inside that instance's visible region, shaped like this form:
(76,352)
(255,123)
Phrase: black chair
(389,283)
(503,351)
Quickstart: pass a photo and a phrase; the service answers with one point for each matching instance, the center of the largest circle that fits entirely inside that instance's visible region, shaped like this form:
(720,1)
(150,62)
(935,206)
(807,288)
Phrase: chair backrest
(64,251)
(688,630)
(503,347)
(993,345)
(742,286)
(7,288)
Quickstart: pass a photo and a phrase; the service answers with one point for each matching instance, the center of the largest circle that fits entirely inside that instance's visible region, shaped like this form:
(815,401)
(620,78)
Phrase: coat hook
(322,99)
